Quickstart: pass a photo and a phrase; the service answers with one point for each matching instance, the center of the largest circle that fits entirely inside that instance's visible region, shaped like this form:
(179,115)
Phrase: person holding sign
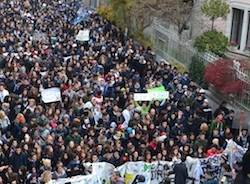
(144,108)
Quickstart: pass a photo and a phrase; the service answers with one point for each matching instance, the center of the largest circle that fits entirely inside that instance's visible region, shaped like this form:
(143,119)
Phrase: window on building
(248,33)
(236,26)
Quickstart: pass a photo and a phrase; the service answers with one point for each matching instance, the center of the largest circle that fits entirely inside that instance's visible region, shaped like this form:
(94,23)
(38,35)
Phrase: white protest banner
(211,166)
(194,169)
(51,95)
(88,179)
(151,96)
(156,172)
(99,173)
(83,35)
(142,97)
(101,170)
(153,173)
(234,151)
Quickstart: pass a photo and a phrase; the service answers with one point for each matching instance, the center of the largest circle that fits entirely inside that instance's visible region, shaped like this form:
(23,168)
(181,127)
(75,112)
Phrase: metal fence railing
(168,46)
(172,49)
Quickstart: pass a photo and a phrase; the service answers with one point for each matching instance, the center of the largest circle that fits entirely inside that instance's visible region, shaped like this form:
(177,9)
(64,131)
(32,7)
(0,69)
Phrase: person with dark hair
(229,119)
(18,159)
(181,172)
(218,123)
(243,177)
(243,139)
(222,109)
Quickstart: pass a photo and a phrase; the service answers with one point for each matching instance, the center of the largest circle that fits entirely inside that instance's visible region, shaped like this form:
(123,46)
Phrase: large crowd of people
(97,119)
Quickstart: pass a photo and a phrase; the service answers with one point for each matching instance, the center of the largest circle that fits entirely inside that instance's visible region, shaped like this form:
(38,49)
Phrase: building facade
(238,24)
(236,27)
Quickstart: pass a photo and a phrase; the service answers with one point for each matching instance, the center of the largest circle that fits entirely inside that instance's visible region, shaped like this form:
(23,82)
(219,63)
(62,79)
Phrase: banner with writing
(51,95)
(97,173)
(151,96)
(159,171)
(152,173)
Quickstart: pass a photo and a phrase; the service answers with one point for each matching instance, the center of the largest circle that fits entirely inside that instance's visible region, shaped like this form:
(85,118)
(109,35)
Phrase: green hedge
(196,70)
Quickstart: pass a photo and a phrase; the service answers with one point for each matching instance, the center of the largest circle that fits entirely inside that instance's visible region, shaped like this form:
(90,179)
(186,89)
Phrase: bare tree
(176,12)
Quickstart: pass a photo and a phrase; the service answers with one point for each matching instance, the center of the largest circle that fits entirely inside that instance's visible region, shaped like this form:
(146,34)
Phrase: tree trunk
(212,24)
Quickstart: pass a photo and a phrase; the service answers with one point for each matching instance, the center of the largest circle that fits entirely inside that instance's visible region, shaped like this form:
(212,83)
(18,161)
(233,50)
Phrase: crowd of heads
(97,119)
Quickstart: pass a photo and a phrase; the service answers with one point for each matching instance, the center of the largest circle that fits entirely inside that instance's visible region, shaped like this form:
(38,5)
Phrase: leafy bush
(142,39)
(196,70)
(221,75)
(212,41)
(180,67)
(106,12)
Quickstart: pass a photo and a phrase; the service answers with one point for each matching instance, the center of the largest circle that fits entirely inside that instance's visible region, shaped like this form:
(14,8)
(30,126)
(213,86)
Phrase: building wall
(243,5)
(169,45)
(246,2)
(200,23)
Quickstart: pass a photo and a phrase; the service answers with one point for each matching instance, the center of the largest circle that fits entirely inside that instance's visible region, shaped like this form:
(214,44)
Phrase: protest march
(81,102)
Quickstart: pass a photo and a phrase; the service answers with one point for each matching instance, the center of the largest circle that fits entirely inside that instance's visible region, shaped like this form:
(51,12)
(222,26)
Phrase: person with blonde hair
(4,122)
(46,177)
